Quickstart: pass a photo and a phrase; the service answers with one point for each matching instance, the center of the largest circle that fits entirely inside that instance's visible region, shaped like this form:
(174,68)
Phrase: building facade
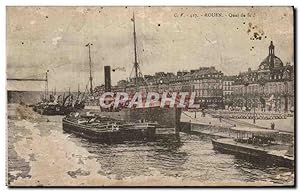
(206,82)
(269,88)
(228,81)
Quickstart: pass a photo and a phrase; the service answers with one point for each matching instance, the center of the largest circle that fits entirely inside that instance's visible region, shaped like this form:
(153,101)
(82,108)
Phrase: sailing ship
(169,117)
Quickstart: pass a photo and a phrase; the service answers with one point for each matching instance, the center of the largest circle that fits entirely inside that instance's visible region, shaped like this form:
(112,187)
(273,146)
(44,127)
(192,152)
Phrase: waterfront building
(206,82)
(269,88)
(228,81)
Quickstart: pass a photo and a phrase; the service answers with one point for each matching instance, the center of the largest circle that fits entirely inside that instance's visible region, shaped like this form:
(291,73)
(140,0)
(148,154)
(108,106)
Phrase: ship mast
(46,85)
(90,63)
(136,64)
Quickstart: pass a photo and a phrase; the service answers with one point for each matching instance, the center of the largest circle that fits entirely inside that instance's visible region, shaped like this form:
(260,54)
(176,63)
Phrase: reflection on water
(192,158)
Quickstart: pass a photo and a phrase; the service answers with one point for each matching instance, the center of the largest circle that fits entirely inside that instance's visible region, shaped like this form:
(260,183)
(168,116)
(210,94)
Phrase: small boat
(54,106)
(108,130)
(257,145)
(52,109)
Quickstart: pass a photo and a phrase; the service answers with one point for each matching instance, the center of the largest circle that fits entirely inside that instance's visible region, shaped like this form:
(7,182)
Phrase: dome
(271,61)
(268,64)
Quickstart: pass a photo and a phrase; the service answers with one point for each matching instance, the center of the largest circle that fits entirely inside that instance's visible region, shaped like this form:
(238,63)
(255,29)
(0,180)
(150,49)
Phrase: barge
(257,145)
(108,130)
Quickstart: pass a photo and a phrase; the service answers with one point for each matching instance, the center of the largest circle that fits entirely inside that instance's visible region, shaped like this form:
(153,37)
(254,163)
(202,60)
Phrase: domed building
(272,68)
(270,87)
(271,61)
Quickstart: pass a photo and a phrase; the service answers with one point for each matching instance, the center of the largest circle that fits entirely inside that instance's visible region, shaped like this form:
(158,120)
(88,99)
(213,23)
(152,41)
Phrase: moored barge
(257,145)
(108,130)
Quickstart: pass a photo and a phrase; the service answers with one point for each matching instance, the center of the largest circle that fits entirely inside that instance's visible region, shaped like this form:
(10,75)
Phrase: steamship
(156,122)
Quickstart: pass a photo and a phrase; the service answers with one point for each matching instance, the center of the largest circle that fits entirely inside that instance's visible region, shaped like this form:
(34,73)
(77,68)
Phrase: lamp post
(262,82)
(254,106)
(285,96)
(246,96)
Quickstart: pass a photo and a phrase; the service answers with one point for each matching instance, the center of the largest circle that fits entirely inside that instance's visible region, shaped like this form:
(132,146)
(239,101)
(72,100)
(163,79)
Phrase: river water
(40,153)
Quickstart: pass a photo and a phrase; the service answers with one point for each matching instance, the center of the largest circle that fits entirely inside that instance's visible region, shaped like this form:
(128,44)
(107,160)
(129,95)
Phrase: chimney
(107,78)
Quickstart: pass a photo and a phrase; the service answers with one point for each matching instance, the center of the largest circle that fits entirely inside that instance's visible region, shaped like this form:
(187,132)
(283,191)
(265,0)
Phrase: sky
(169,39)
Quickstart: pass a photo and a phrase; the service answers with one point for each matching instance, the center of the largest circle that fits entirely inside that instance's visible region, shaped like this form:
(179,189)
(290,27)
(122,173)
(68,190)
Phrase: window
(280,88)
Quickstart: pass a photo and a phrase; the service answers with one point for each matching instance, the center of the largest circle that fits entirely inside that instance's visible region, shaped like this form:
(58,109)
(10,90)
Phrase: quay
(255,153)
(215,128)
(258,145)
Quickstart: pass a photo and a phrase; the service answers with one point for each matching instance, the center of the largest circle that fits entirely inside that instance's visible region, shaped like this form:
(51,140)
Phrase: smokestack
(107,78)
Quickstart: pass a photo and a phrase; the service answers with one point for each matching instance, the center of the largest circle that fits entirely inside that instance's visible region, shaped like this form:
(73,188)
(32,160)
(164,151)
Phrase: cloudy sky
(169,39)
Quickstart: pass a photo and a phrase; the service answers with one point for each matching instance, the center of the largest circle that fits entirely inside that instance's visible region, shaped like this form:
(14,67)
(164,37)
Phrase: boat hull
(54,110)
(169,117)
(118,136)
(252,154)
